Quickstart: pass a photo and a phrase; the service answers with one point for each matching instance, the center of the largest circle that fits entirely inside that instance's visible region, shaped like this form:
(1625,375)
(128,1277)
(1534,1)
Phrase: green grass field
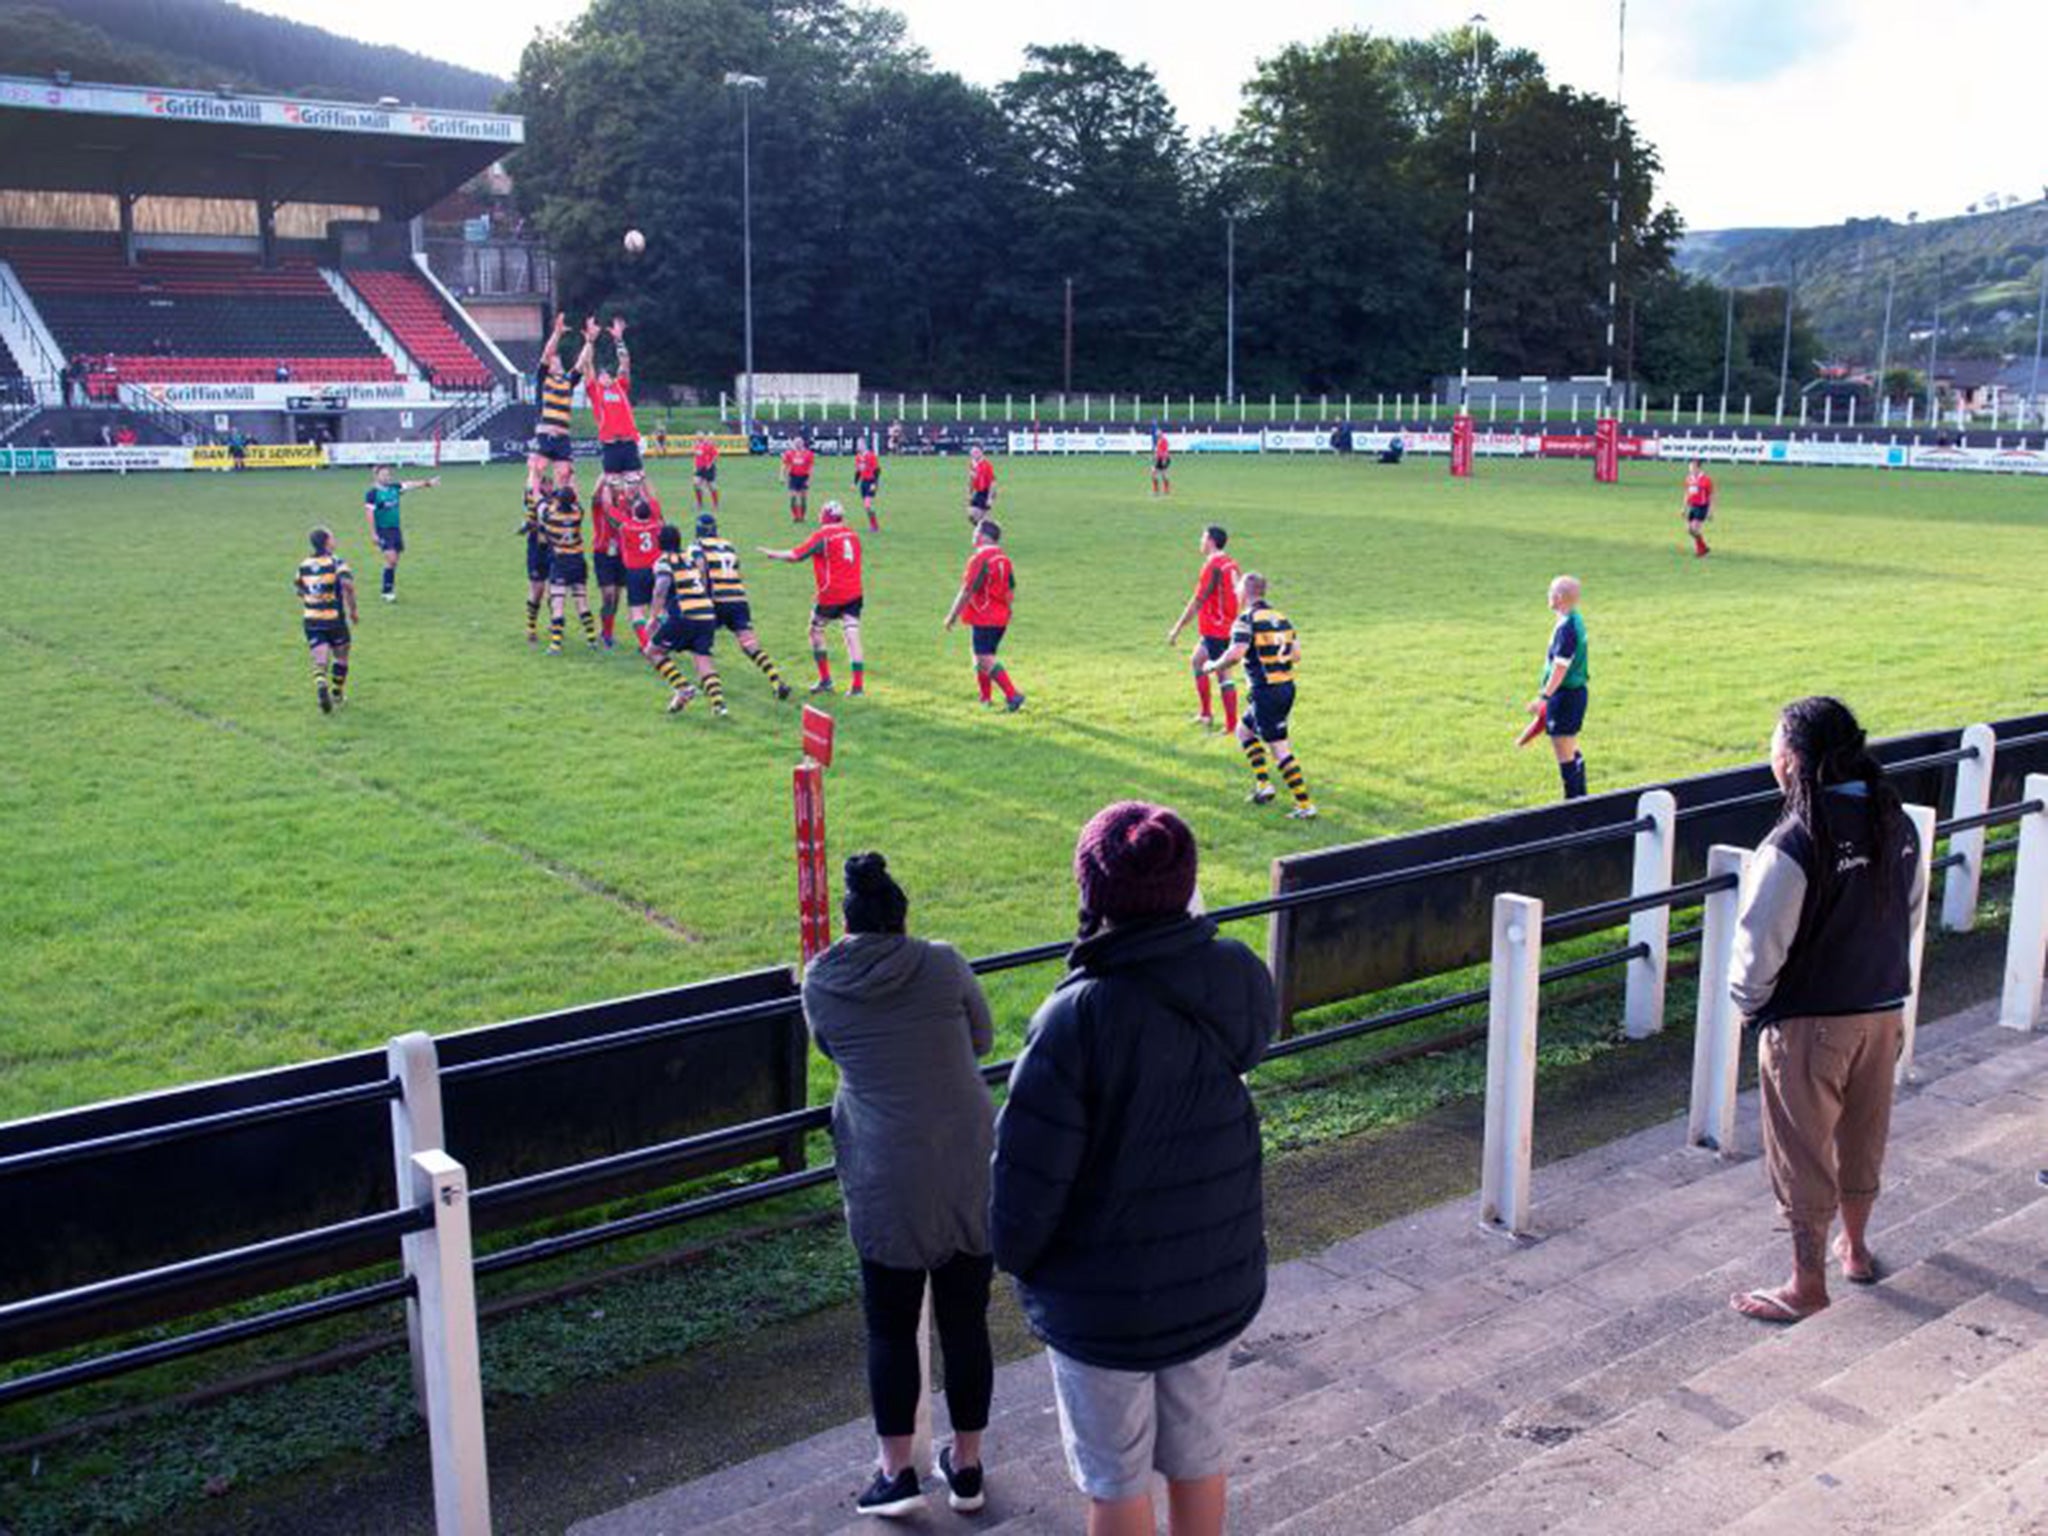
(205,875)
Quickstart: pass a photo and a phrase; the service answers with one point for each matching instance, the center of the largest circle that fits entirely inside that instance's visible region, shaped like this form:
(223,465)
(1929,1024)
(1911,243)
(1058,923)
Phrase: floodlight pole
(1471,203)
(2040,328)
(1785,352)
(1884,348)
(1614,202)
(1067,379)
(746,85)
(1934,349)
(1230,307)
(1727,345)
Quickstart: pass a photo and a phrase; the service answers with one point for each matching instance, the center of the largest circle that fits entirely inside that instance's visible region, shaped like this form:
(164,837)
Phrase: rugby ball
(635,242)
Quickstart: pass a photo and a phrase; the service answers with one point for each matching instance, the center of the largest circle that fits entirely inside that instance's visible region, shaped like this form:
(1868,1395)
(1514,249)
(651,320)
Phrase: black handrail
(1996,816)
(78,1372)
(1627,906)
(200,1125)
(340,1237)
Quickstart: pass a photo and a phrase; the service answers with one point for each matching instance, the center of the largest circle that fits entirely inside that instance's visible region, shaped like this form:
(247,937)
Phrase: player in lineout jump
(610,393)
(987,590)
(835,555)
(327,592)
(1699,505)
(1214,606)
(552,463)
(1265,642)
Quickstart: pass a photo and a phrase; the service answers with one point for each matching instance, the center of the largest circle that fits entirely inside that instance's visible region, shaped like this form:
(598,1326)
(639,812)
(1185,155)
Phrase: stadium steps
(1431,1377)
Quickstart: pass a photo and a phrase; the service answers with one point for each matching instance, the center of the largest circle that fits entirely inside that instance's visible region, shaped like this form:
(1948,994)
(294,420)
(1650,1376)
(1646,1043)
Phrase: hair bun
(867,872)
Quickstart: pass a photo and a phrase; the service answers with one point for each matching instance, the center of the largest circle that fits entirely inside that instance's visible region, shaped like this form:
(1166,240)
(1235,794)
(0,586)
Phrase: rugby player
(639,550)
(1699,505)
(1265,642)
(867,476)
(552,464)
(1560,701)
(605,509)
(986,592)
(327,592)
(1162,463)
(720,564)
(981,485)
(835,555)
(537,557)
(687,624)
(1215,600)
(610,393)
(704,470)
(381,508)
(568,573)
(797,460)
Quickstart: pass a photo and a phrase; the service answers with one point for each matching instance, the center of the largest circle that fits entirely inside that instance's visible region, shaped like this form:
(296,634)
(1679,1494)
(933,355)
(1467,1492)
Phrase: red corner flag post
(1607,450)
(1461,445)
(813,885)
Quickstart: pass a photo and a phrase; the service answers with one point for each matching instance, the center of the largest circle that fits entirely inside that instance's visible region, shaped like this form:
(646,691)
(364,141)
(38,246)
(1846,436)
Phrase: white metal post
(1717,1032)
(1959,886)
(1511,1062)
(1923,818)
(2026,945)
(416,1126)
(448,1340)
(1656,849)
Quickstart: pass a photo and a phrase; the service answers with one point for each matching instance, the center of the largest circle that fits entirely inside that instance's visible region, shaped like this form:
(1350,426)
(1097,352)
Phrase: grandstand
(274,277)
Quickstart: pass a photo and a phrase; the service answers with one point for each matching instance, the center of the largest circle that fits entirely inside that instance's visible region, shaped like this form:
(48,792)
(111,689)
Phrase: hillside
(213,42)
(1987,269)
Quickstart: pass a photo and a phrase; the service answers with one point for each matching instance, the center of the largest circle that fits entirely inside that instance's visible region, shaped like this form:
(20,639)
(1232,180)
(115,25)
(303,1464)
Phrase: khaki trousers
(1826,1085)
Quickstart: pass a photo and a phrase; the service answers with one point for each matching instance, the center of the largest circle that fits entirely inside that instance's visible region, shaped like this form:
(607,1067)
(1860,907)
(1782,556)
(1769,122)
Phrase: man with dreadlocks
(1823,968)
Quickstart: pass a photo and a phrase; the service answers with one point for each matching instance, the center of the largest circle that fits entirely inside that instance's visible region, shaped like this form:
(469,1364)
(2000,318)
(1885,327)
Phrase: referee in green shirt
(1560,701)
(380,506)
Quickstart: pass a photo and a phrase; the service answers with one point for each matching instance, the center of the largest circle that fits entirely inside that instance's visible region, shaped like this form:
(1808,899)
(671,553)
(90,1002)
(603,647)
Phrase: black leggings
(893,1300)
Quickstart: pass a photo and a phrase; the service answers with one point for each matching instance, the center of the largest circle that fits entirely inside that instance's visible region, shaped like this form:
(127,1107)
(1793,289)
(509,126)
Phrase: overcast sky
(1765,111)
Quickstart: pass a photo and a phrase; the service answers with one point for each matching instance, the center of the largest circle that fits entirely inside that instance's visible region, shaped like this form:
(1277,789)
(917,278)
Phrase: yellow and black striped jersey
(556,392)
(531,524)
(723,563)
(563,523)
(1271,653)
(688,597)
(319,587)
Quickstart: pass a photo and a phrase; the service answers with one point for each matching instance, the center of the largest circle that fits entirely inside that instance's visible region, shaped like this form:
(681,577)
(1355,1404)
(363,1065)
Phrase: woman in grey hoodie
(912,1129)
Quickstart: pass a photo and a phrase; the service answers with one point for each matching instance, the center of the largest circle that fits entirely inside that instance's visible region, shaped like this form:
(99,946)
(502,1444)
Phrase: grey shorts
(1119,1427)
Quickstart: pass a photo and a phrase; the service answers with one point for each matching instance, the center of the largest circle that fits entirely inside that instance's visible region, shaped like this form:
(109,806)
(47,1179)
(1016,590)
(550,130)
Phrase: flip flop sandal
(1778,1310)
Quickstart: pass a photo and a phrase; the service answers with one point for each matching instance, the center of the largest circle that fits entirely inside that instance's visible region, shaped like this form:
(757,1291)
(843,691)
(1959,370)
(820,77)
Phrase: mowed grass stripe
(1419,601)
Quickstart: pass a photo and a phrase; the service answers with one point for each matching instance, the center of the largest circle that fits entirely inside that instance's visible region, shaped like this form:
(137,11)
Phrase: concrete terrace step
(1433,1377)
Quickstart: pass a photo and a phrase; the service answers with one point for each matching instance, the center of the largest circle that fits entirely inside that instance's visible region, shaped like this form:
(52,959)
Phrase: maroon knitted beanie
(1135,860)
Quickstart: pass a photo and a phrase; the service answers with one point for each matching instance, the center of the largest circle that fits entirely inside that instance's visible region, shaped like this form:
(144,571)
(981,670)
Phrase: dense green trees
(922,231)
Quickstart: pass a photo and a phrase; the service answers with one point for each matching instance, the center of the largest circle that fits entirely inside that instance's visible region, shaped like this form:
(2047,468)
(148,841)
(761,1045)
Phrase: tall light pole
(1727,346)
(1614,203)
(1884,346)
(1934,349)
(2040,328)
(1471,202)
(1067,372)
(746,85)
(1785,352)
(1230,307)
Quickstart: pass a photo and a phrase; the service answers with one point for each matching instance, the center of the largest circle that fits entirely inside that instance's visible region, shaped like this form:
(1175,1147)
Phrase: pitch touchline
(587,883)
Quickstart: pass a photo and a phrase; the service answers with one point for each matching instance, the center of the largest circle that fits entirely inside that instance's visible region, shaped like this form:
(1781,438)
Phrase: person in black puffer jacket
(1127,1198)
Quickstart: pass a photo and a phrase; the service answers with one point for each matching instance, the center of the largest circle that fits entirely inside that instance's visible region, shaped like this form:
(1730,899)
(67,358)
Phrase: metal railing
(431,1222)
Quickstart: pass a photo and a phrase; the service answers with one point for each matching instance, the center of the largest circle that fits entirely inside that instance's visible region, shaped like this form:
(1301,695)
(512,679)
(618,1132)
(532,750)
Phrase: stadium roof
(57,136)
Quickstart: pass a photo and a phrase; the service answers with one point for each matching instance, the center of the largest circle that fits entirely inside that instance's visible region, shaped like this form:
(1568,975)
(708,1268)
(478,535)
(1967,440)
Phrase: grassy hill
(213,42)
(1986,269)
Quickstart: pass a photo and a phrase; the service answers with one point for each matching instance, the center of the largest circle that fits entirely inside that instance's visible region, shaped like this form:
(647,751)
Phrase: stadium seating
(412,310)
(193,316)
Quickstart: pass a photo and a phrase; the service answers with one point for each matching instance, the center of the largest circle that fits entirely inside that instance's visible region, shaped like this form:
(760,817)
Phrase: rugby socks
(640,632)
(390,579)
(1297,786)
(611,624)
(859,676)
(1255,749)
(339,675)
(986,684)
(824,666)
(589,625)
(1230,706)
(1202,693)
(555,633)
(320,688)
(1001,675)
(671,673)
(1574,775)
(1699,545)
(766,663)
(532,618)
(714,689)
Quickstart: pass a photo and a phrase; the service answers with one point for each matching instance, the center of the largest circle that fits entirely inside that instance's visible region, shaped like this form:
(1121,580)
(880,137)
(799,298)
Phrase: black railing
(275,1253)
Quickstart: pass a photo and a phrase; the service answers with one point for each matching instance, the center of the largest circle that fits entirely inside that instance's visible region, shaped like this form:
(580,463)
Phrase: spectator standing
(1823,967)
(912,1129)
(1127,1196)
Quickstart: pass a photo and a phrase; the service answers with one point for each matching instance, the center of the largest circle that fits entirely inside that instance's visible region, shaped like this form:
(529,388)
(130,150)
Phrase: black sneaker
(1015,703)
(963,1484)
(326,701)
(782,690)
(822,685)
(892,1497)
